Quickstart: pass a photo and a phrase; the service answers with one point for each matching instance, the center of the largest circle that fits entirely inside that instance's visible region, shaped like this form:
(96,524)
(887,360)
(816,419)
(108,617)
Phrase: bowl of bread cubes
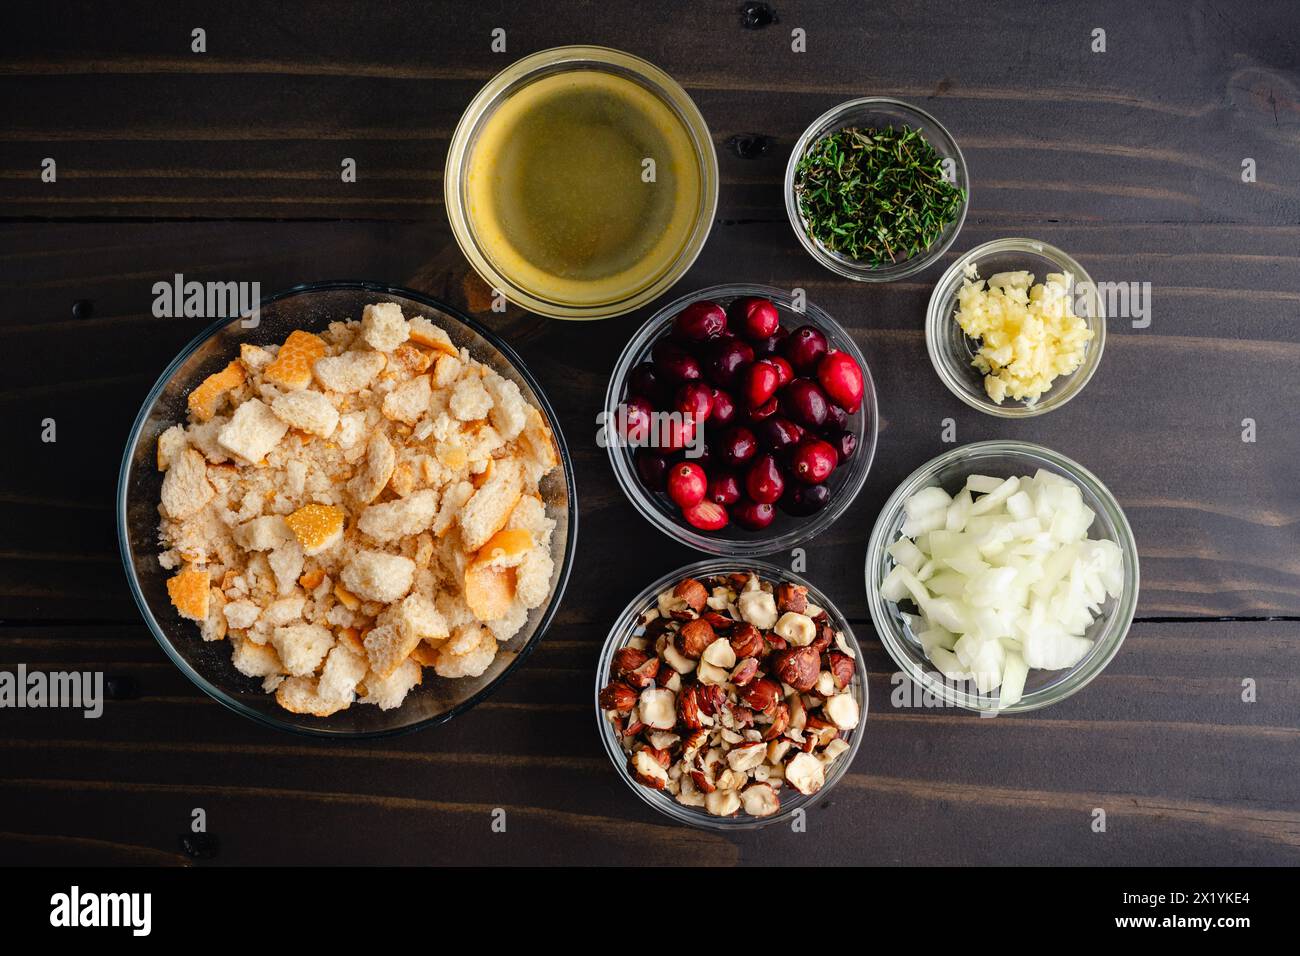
(352,514)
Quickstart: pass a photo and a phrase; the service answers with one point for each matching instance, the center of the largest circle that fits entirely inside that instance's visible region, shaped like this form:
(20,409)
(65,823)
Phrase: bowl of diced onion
(1002,577)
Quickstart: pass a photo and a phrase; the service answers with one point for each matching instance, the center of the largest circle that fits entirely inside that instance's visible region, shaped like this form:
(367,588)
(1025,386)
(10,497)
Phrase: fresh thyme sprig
(875,195)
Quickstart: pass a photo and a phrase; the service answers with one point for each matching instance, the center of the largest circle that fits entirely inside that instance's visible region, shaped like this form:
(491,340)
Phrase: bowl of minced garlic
(1015,328)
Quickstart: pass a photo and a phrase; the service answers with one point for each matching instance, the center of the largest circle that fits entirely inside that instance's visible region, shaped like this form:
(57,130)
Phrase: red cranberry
(687,483)
(695,398)
(764,481)
(804,402)
(753,515)
(706,516)
(766,410)
(804,348)
(704,459)
(653,469)
(804,500)
(813,461)
(837,419)
(676,433)
(844,443)
(761,382)
(724,489)
(700,321)
(632,420)
(754,318)
(783,369)
(724,408)
(779,434)
(726,361)
(738,445)
(766,348)
(645,380)
(841,379)
(674,363)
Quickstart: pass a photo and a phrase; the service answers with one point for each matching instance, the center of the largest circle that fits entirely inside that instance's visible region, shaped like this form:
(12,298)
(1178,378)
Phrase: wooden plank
(167,133)
(1181,764)
(1215,517)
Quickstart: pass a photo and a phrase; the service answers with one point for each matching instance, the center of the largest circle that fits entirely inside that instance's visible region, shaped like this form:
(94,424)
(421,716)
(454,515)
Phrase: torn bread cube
(469,656)
(425,333)
(417,614)
(382,326)
(301,695)
(387,646)
(252,431)
(254,660)
(241,614)
(185,487)
(489,590)
(263,533)
(292,366)
(343,671)
(409,401)
(378,576)
(389,692)
(286,563)
(205,399)
(470,401)
(317,527)
(302,647)
(171,445)
(488,510)
(398,519)
(530,515)
(307,411)
(381,460)
(509,412)
(190,591)
(533,577)
(349,372)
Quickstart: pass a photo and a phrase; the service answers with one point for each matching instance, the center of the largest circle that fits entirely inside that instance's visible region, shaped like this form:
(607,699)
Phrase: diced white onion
(1004,578)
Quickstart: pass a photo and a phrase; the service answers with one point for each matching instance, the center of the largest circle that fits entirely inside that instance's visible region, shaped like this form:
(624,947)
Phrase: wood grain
(225,166)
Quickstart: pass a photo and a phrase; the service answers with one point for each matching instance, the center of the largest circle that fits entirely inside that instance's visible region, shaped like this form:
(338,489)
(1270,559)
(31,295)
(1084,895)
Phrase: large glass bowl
(951,349)
(876,112)
(517,77)
(1002,459)
(628,624)
(312,307)
(786,531)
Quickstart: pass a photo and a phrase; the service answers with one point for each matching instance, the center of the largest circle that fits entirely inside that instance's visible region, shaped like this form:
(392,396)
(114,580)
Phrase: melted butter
(556,194)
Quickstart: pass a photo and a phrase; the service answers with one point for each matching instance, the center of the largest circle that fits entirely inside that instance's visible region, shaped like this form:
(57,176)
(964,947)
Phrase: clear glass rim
(228,700)
(845,267)
(655,79)
(624,471)
(620,632)
(938,315)
(1107,643)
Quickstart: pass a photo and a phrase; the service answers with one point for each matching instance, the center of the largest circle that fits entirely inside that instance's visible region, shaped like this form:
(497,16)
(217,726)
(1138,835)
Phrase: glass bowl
(786,531)
(208,665)
(550,63)
(1003,459)
(877,112)
(951,350)
(628,624)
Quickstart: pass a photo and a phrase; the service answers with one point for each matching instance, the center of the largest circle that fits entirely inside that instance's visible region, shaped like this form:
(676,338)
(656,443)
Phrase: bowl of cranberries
(739,423)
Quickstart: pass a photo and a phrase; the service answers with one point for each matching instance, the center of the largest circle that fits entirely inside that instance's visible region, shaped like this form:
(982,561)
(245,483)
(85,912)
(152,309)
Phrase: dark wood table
(225,165)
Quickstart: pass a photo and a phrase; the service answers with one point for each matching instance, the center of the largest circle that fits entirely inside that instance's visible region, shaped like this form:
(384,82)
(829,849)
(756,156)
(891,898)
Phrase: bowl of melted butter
(581,182)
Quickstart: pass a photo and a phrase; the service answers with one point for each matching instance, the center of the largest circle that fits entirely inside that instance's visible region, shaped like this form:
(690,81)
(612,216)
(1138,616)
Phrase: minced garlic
(1029,334)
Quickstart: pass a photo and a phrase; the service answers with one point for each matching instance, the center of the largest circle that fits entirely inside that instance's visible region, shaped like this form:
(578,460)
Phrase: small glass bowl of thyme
(876,190)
